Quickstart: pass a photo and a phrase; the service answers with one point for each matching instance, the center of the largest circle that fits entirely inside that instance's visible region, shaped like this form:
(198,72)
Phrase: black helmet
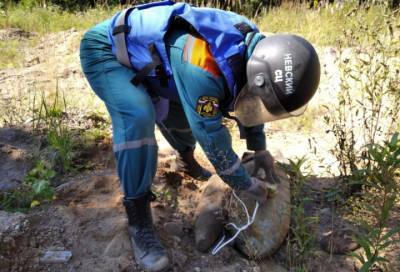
(282,76)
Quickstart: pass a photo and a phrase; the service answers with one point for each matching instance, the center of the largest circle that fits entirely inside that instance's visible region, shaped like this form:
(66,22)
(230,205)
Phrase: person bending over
(184,68)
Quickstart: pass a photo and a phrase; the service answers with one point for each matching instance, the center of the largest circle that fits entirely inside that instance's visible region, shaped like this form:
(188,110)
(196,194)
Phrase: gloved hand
(263,160)
(257,191)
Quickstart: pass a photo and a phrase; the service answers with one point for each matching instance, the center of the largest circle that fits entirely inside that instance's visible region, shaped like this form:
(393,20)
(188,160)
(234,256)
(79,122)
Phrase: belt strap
(155,64)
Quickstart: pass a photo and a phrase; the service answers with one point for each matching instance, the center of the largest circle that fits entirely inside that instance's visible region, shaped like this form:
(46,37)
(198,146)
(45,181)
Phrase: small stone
(197,269)
(271,266)
(173,228)
(177,240)
(56,256)
(9,242)
(32,242)
(4,263)
(335,234)
(338,241)
(118,244)
(325,211)
(12,223)
(179,258)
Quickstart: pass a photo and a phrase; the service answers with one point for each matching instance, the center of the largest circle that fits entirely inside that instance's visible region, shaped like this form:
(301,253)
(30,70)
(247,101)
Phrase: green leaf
(366,245)
(365,267)
(390,233)
(388,243)
(358,257)
(40,186)
(394,140)
(381,259)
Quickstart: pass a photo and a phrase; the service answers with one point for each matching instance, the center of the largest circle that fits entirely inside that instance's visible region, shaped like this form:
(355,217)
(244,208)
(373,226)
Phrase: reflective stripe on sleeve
(197,52)
(187,50)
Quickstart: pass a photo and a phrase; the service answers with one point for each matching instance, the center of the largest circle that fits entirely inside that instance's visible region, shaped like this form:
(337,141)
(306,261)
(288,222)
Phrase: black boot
(147,248)
(192,167)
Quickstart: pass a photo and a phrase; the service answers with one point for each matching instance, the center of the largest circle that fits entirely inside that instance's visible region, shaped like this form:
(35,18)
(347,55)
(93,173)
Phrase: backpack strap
(119,32)
(251,36)
(243,28)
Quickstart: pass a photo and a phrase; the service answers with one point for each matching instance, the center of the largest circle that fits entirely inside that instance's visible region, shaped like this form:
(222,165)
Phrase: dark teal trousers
(132,114)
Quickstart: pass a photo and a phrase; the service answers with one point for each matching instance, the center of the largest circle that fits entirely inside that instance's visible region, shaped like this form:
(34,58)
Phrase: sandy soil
(88,218)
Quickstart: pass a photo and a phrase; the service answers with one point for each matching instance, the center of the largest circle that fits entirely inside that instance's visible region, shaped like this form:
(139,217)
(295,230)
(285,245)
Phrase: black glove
(263,160)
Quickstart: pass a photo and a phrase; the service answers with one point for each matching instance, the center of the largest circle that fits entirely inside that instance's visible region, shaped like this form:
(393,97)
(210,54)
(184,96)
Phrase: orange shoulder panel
(198,53)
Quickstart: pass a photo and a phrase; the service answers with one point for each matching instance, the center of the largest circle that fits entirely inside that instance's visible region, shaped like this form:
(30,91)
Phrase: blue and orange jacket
(222,32)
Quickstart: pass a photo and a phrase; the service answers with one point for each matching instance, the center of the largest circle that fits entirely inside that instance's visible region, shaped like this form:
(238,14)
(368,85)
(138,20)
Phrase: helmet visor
(261,105)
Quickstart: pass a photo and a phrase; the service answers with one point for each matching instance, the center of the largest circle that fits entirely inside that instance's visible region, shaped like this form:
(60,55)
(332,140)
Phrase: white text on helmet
(278,76)
(288,73)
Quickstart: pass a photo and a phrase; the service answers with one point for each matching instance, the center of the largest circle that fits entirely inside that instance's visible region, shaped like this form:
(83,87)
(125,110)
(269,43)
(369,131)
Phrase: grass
(12,51)
(322,27)
(9,53)
(42,21)
(380,180)
(47,20)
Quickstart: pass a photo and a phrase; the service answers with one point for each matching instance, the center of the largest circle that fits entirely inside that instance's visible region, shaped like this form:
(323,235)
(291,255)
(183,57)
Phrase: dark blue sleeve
(194,83)
(255,137)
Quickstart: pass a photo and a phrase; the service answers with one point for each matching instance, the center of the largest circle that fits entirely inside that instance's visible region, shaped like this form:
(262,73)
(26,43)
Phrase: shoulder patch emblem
(207,106)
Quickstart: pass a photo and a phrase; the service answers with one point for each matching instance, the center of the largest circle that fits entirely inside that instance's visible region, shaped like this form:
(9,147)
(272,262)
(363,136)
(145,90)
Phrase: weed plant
(301,239)
(380,180)
(36,189)
(50,119)
(364,123)
(60,154)
(368,106)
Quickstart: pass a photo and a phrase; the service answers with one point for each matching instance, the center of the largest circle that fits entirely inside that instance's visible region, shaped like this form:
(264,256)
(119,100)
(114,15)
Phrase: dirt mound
(88,219)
